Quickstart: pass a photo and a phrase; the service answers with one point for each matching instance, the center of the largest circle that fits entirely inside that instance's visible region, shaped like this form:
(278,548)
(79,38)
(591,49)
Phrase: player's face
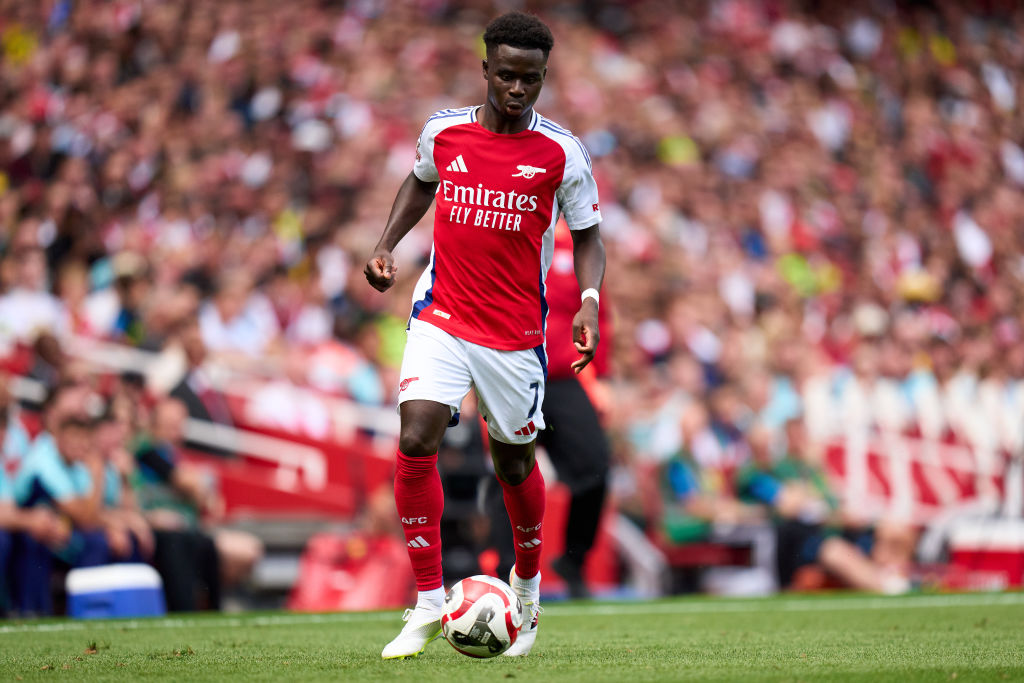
(514,79)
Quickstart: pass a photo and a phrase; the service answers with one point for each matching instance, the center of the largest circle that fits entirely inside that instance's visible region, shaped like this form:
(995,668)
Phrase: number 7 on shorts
(536,389)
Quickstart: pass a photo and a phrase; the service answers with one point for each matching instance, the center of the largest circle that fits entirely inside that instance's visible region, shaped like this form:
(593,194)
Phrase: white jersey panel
(425,169)
(577,195)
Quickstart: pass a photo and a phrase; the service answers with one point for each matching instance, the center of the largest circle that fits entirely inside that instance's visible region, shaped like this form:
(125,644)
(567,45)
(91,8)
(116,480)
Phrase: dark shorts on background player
(574,440)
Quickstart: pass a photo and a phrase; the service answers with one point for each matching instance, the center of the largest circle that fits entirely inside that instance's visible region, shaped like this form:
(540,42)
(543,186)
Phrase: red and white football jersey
(498,199)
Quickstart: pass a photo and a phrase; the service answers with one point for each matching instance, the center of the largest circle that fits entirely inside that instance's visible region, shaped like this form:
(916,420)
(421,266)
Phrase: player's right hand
(585,334)
(380,270)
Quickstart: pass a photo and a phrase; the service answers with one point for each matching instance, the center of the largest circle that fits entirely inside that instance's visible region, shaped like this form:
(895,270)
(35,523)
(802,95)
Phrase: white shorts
(509,384)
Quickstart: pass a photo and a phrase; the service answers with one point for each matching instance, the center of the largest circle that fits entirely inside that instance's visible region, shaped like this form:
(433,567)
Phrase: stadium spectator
(16,441)
(131,286)
(196,390)
(177,496)
(809,532)
(238,321)
(27,307)
(40,524)
(339,367)
(695,498)
(61,472)
(287,404)
(128,534)
(698,504)
(186,559)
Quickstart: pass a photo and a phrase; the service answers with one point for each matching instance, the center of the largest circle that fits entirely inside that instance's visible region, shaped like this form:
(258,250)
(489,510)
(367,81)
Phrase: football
(482,616)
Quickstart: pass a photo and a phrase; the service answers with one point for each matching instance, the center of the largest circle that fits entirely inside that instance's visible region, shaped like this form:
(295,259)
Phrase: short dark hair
(521,30)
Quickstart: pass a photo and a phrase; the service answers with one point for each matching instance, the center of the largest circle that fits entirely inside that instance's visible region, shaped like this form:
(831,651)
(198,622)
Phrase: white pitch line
(215,622)
(794,605)
(555,611)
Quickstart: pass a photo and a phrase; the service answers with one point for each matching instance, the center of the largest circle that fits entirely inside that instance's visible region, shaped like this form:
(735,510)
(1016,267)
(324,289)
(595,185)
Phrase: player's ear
(484,65)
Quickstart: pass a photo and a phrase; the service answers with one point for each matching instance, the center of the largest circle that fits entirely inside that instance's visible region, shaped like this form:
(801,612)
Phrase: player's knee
(512,471)
(512,462)
(415,444)
(511,478)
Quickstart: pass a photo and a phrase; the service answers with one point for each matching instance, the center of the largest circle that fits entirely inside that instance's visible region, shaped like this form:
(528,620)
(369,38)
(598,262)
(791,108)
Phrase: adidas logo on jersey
(528,171)
(418,542)
(458,166)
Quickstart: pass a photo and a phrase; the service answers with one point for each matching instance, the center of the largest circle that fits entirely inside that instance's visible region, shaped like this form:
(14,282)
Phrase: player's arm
(589,262)
(412,202)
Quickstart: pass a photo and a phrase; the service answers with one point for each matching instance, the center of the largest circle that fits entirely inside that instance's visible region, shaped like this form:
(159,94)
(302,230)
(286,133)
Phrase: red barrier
(354,572)
(913,477)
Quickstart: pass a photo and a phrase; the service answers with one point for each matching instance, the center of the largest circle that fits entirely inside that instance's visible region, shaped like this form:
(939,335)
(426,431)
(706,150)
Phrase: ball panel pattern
(481,617)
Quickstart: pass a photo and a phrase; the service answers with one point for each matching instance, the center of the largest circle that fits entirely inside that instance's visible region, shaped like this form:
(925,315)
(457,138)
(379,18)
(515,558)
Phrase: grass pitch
(978,637)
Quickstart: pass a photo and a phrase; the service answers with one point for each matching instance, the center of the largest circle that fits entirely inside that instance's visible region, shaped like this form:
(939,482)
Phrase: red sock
(420,502)
(525,505)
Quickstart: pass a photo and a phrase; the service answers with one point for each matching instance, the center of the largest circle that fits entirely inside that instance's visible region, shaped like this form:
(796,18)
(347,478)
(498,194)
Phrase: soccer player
(501,174)
(575,440)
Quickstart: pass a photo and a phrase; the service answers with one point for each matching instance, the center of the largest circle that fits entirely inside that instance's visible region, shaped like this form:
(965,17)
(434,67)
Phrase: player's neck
(490,119)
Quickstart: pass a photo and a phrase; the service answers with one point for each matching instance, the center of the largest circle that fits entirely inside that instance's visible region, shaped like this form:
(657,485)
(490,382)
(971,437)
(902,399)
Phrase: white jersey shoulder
(575,151)
(424,168)
(577,195)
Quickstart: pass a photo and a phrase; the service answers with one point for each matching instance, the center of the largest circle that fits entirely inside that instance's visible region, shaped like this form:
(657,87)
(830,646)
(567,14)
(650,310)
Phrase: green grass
(836,638)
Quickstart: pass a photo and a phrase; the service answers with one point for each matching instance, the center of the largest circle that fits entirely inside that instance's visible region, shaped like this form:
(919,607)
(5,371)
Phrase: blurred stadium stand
(812,212)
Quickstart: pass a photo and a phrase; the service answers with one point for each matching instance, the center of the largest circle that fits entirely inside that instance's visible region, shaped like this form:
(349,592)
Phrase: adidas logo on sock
(458,166)
(418,542)
(532,543)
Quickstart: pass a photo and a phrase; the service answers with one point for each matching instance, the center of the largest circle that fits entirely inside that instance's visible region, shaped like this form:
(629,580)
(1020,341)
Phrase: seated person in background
(128,533)
(186,559)
(175,495)
(40,524)
(58,473)
(202,400)
(16,441)
(807,514)
(697,498)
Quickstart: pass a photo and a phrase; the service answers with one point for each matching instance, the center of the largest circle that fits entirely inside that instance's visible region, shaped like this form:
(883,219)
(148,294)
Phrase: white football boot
(531,613)
(422,625)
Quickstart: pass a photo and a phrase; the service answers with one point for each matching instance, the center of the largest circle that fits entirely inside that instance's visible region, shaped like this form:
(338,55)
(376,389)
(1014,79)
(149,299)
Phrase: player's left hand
(585,334)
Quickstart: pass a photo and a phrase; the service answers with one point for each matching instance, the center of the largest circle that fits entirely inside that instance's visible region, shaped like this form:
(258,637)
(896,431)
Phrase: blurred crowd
(811,209)
(99,481)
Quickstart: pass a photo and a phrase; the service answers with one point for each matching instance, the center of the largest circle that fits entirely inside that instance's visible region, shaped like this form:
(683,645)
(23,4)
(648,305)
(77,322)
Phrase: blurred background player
(501,174)
(574,440)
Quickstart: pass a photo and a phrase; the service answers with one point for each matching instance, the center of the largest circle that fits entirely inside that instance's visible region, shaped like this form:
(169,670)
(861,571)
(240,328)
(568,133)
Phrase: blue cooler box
(115,590)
